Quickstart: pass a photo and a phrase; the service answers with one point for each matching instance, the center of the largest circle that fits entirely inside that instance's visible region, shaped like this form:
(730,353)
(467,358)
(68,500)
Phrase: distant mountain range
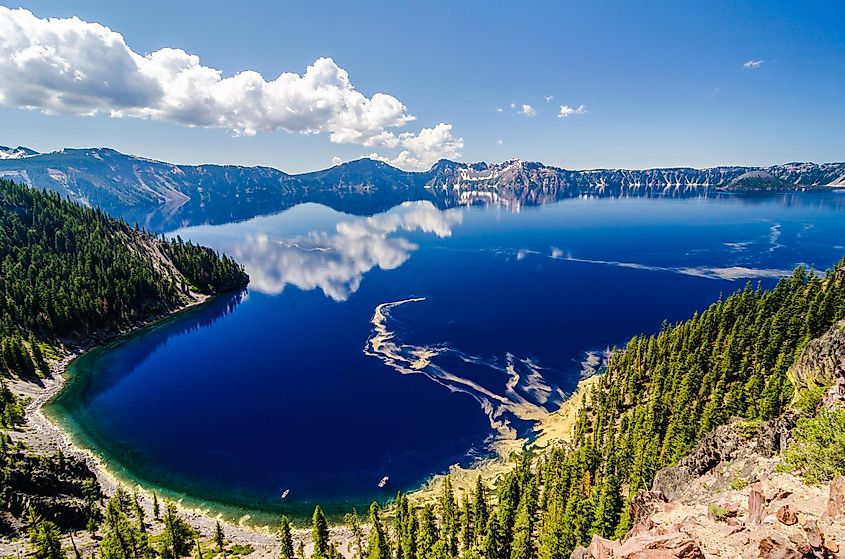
(163,196)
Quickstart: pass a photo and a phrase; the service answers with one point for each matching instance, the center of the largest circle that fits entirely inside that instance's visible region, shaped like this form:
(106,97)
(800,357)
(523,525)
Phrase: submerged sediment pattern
(510,392)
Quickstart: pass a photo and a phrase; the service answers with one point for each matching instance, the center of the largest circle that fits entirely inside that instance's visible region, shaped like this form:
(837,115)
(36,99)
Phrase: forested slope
(657,397)
(70,273)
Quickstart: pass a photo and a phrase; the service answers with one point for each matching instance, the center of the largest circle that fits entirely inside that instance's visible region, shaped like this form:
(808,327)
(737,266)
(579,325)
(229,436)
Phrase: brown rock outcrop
(822,363)
(756,505)
(836,501)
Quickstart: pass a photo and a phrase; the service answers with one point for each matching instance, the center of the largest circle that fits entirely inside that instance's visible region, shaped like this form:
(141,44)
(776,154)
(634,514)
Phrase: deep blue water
(281,387)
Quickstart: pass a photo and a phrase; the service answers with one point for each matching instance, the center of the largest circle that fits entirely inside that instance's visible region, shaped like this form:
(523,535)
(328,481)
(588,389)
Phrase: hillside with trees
(71,274)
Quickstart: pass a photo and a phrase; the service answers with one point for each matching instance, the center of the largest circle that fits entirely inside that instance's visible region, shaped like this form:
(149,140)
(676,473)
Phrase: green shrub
(818,452)
(718,512)
(807,400)
(739,484)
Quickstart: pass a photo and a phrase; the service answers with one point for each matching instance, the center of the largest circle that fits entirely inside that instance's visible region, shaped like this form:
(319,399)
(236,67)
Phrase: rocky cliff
(733,494)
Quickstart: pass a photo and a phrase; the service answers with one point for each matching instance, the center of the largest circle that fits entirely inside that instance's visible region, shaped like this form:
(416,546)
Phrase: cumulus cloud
(336,160)
(753,64)
(71,66)
(566,110)
(528,111)
(549,98)
(421,151)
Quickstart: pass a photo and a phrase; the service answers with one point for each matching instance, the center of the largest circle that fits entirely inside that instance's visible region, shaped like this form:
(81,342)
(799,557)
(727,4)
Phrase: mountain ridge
(163,195)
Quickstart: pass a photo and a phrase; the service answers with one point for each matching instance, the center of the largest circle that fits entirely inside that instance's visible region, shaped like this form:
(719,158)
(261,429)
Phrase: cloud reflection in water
(335,262)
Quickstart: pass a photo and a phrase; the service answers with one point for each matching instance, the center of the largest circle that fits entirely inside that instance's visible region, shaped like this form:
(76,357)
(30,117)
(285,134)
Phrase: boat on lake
(383,482)
(285,494)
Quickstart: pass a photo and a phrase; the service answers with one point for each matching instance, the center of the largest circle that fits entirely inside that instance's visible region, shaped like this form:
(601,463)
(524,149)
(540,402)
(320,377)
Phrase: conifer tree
(379,546)
(285,539)
(176,538)
(45,542)
(354,522)
(156,510)
(320,533)
(220,538)
(479,511)
(449,520)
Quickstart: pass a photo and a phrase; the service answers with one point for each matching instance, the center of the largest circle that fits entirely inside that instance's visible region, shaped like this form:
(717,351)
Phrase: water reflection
(335,262)
(137,347)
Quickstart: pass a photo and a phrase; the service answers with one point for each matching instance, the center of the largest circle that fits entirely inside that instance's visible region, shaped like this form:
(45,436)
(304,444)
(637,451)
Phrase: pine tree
(220,539)
(479,511)
(449,527)
(320,534)
(139,511)
(379,547)
(354,522)
(176,538)
(285,539)
(426,533)
(44,538)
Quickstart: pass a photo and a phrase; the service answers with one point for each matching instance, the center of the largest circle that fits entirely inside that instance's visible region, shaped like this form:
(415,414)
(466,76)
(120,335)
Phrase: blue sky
(661,83)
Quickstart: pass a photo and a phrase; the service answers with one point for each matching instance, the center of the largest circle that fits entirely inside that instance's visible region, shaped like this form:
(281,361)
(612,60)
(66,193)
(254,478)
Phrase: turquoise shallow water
(300,384)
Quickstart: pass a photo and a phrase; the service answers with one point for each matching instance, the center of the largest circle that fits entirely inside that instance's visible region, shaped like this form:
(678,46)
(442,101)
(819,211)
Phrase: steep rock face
(716,454)
(822,364)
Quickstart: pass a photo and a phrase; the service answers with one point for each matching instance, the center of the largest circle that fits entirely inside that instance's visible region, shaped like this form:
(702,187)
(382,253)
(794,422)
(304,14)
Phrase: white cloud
(566,110)
(71,66)
(549,98)
(500,141)
(421,151)
(336,160)
(753,64)
(513,105)
(528,111)
(498,109)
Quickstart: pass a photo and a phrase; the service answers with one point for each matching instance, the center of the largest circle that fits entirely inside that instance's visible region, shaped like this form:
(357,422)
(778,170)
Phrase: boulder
(674,545)
(601,548)
(774,547)
(786,516)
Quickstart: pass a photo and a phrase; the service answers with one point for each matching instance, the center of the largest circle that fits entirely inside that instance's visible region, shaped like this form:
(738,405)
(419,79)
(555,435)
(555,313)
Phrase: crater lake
(400,343)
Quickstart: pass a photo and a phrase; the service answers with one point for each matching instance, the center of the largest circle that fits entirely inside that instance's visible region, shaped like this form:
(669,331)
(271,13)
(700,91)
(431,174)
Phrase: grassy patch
(241,550)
